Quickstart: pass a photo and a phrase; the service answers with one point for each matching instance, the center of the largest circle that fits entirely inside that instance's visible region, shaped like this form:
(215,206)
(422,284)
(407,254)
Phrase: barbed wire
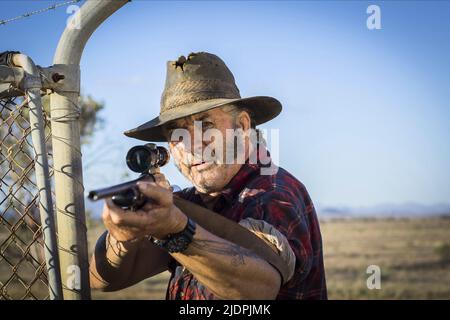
(26,15)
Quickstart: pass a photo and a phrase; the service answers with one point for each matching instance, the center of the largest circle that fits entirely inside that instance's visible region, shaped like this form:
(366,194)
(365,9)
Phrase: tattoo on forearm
(96,276)
(115,247)
(237,252)
(116,250)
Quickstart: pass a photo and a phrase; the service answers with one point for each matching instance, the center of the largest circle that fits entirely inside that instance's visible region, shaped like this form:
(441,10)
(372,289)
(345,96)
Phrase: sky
(366,113)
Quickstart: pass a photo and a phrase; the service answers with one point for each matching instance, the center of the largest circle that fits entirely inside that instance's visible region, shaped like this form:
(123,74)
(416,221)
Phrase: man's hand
(158,218)
(160,180)
(117,263)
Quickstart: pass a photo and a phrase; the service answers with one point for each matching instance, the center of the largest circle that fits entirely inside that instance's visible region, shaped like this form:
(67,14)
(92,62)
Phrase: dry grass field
(413,254)
(414,257)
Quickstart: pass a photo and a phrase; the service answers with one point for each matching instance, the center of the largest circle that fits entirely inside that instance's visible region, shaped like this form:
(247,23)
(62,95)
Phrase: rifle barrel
(113,190)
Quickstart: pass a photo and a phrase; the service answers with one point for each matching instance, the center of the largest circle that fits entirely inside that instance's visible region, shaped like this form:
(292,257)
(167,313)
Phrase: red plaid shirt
(280,200)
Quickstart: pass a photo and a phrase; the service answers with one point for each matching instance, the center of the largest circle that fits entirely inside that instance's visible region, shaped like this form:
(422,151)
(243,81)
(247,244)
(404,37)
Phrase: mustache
(193,156)
(190,159)
(195,159)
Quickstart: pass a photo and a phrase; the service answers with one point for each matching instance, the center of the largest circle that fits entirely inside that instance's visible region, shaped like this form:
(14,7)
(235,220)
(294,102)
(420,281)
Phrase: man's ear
(244,121)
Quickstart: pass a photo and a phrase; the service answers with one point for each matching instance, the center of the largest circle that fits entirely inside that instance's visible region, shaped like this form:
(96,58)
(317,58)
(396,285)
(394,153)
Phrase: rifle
(146,160)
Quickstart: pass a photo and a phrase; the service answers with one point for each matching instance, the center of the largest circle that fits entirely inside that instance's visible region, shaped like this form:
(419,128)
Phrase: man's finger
(158,194)
(116,214)
(149,205)
(113,207)
(125,218)
(159,177)
(161,180)
(139,219)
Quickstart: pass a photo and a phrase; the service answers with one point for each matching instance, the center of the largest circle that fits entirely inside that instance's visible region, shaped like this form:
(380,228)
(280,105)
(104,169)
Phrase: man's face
(208,174)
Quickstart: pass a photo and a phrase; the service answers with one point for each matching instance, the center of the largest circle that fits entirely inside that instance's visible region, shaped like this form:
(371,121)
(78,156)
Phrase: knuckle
(158,215)
(150,223)
(142,184)
(161,180)
(116,219)
(159,175)
(148,207)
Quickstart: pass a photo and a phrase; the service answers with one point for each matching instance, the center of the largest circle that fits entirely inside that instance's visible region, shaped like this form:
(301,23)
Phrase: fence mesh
(22,264)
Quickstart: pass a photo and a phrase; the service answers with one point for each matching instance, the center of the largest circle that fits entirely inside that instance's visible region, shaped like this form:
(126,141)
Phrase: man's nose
(195,143)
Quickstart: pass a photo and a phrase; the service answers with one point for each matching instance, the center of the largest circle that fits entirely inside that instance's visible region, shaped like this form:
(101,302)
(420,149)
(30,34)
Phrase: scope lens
(138,159)
(163,156)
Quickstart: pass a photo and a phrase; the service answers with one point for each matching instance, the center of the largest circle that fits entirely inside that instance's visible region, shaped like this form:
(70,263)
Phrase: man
(273,204)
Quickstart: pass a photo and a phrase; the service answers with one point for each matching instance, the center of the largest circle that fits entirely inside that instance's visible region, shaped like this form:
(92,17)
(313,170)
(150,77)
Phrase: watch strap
(178,242)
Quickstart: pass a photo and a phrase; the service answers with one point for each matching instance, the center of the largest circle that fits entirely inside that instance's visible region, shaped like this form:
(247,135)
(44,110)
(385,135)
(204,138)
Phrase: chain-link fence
(23,272)
(24,258)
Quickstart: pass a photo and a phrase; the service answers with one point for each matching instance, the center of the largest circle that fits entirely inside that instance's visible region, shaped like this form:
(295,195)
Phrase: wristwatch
(178,242)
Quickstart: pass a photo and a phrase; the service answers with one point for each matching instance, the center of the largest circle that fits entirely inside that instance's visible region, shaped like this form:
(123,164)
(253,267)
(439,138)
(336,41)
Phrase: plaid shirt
(280,200)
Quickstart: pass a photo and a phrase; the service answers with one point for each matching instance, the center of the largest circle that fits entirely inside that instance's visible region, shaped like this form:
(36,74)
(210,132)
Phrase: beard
(207,180)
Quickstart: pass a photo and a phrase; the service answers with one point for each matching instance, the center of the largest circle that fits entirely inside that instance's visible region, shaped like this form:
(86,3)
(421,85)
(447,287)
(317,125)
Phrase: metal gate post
(32,87)
(66,148)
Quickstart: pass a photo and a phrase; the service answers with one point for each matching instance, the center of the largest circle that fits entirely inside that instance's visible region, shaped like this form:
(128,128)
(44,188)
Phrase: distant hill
(381,211)
(386,210)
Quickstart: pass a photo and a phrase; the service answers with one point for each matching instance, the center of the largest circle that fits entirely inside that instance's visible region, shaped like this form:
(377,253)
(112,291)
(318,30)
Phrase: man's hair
(236,110)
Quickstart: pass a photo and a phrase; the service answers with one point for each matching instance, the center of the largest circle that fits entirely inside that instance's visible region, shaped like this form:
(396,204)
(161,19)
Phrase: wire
(26,15)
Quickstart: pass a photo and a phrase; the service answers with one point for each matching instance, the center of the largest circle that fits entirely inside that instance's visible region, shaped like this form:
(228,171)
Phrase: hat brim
(263,109)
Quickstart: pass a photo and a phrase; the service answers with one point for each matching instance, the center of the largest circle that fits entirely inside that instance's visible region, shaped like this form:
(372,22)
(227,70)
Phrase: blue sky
(366,113)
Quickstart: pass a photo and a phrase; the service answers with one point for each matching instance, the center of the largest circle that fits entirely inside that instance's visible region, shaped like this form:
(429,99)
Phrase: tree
(90,120)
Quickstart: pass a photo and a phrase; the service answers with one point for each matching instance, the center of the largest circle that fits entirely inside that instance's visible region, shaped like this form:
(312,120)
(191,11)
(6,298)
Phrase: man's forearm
(229,270)
(112,263)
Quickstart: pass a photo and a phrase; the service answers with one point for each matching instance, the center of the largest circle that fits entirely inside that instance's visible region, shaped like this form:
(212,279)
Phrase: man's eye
(207,125)
(177,139)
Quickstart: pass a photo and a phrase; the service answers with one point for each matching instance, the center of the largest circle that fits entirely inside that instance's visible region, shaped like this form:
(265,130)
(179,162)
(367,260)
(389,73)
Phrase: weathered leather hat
(199,83)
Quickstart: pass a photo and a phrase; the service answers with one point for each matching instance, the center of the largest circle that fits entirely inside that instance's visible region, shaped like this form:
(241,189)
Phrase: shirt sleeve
(276,240)
(287,212)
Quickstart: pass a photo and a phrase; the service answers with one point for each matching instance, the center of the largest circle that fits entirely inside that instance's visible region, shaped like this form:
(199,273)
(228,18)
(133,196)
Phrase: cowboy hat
(196,84)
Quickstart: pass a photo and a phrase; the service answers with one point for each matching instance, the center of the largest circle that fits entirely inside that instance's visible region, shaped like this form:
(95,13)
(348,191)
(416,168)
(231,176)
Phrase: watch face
(178,244)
